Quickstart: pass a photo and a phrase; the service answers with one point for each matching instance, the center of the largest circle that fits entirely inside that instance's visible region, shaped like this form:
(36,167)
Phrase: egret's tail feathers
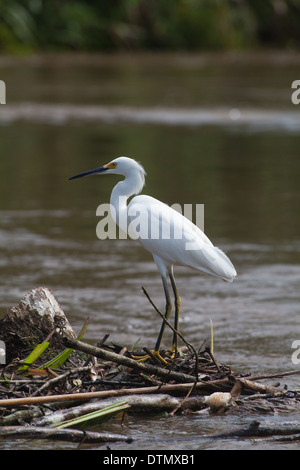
(213,261)
(225,270)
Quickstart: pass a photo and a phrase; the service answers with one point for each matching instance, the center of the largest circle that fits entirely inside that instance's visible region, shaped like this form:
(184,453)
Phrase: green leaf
(96,417)
(33,356)
(63,356)
(133,347)
(38,350)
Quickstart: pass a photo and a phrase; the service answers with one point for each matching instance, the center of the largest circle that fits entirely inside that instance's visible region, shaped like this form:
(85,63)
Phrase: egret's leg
(167,314)
(155,352)
(177,311)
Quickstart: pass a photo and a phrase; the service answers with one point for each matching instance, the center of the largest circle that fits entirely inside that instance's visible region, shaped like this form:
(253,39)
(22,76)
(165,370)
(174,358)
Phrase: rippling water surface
(219,131)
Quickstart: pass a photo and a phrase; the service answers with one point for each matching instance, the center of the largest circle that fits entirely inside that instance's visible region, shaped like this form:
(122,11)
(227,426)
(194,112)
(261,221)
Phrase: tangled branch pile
(63,383)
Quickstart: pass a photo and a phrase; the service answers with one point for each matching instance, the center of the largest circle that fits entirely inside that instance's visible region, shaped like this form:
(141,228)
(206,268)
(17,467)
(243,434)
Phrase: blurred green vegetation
(93,25)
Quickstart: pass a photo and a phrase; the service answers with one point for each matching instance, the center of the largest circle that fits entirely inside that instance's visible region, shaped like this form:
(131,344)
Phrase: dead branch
(21,416)
(144,403)
(127,361)
(256,429)
(257,387)
(274,375)
(13,402)
(66,434)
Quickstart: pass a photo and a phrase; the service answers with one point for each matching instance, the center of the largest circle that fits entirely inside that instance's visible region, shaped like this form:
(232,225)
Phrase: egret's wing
(158,217)
(174,238)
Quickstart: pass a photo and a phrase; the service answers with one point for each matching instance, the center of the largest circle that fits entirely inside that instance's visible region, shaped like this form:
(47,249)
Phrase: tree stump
(31,321)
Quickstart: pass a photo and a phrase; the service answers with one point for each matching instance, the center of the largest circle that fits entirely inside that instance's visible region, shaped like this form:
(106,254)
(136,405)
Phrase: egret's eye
(111,165)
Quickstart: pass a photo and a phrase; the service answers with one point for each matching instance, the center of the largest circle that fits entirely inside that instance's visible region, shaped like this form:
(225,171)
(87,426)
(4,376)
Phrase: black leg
(177,310)
(167,313)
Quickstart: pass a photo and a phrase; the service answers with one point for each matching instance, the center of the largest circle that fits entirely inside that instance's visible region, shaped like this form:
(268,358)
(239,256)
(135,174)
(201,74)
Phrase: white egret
(185,244)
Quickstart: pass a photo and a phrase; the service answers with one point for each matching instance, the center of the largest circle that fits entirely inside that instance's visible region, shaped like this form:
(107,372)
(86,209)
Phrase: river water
(218,130)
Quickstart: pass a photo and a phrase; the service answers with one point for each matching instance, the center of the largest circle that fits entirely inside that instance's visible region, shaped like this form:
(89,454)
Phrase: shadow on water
(220,132)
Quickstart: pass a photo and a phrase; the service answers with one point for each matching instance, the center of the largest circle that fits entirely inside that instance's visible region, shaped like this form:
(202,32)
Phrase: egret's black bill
(90,172)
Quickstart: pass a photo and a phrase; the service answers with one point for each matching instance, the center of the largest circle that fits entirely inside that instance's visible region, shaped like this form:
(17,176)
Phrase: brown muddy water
(214,130)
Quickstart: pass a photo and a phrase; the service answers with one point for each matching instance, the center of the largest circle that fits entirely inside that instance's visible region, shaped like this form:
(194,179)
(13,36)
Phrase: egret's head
(119,166)
(124,166)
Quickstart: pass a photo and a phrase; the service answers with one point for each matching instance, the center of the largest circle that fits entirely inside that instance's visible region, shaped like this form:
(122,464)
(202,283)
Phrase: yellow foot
(151,355)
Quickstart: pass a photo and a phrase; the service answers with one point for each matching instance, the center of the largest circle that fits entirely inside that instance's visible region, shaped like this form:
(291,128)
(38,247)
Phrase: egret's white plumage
(168,235)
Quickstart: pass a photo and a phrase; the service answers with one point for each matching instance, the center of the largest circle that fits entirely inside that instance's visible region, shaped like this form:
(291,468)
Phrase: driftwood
(262,430)
(71,435)
(148,404)
(257,387)
(21,416)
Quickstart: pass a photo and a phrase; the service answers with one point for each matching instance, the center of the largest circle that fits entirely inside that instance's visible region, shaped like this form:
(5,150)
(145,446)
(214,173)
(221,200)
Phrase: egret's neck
(132,184)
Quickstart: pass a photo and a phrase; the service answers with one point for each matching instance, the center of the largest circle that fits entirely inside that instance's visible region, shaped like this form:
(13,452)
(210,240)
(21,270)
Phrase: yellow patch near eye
(111,165)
